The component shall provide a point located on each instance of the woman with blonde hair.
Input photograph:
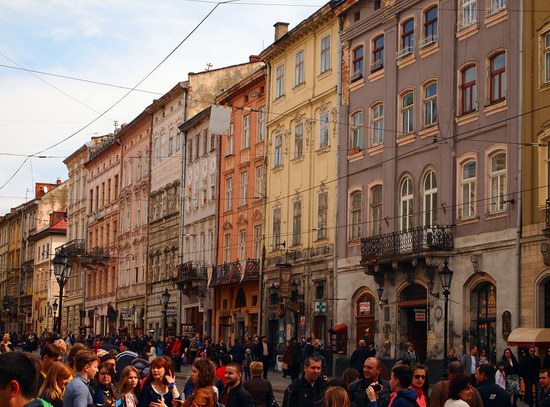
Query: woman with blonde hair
(260, 389)
(336, 397)
(129, 379)
(54, 385)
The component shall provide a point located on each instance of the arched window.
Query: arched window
(356, 139)
(376, 210)
(430, 104)
(407, 112)
(498, 77)
(468, 190)
(483, 317)
(468, 92)
(497, 181)
(278, 159)
(406, 204)
(377, 124)
(407, 36)
(377, 53)
(356, 215)
(357, 63)
(430, 199)
(240, 301)
(430, 25)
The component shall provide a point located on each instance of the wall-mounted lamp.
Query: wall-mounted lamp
(380, 292)
(431, 284)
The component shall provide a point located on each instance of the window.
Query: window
(546, 49)
(156, 151)
(377, 114)
(322, 212)
(212, 141)
(260, 182)
(197, 145)
(468, 187)
(496, 5)
(246, 131)
(171, 142)
(229, 193)
(278, 156)
(356, 140)
(407, 112)
(430, 25)
(325, 54)
(297, 223)
(244, 188)
(229, 148)
(323, 130)
(242, 244)
(205, 141)
(377, 53)
(407, 37)
(498, 77)
(212, 189)
(430, 199)
(468, 90)
(298, 140)
(178, 140)
(299, 68)
(406, 204)
(356, 215)
(261, 123)
(376, 210)
(497, 180)
(430, 104)
(280, 81)
(468, 13)
(258, 242)
(276, 228)
(357, 63)
(227, 248)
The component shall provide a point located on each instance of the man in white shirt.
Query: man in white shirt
(471, 362)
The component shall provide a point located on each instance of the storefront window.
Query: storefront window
(483, 301)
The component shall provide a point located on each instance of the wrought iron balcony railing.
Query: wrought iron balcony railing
(98, 256)
(76, 247)
(237, 271)
(189, 272)
(406, 243)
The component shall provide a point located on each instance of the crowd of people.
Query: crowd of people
(140, 372)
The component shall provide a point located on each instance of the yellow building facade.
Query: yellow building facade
(301, 177)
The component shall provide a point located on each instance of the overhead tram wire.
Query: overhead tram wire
(121, 98)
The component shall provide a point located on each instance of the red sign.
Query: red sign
(420, 316)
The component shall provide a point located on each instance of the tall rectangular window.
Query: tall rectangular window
(407, 112)
(261, 123)
(355, 216)
(276, 228)
(498, 77)
(229, 194)
(297, 222)
(298, 140)
(322, 215)
(497, 178)
(356, 140)
(244, 188)
(377, 53)
(278, 150)
(227, 248)
(258, 242)
(468, 13)
(357, 63)
(171, 142)
(430, 104)
(377, 114)
(280, 81)
(325, 54)
(242, 244)
(469, 89)
(468, 190)
(259, 182)
(323, 130)
(156, 151)
(299, 68)
(430, 25)
(376, 210)
(546, 67)
(178, 140)
(229, 146)
(246, 131)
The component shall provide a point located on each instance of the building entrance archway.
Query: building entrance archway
(412, 318)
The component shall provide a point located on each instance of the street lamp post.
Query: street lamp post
(54, 309)
(62, 272)
(164, 300)
(446, 275)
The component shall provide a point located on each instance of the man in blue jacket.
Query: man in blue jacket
(491, 394)
(400, 383)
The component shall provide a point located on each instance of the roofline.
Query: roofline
(188, 124)
(74, 154)
(243, 85)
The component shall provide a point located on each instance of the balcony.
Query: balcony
(236, 272)
(191, 278)
(546, 229)
(406, 245)
(97, 257)
(75, 248)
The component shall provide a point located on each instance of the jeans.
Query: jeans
(529, 390)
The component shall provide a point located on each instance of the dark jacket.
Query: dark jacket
(124, 359)
(259, 351)
(357, 393)
(149, 395)
(405, 398)
(530, 368)
(358, 358)
(544, 399)
(260, 389)
(237, 352)
(238, 397)
(493, 395)
(300, 393)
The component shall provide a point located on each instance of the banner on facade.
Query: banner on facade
(242, 269)
(285, 270)
(209, 270)
(126, 314)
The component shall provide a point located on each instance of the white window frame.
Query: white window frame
(406, 201)
(261, 123)
(299, 68)
(497, 183)
(546, 57)
(407, 113)
(429, 199)
(467, 13)
(244, 188)
(323, 129)
(325, 54)
(298, 140)
(430, 105)
(258, 241)
(377, 123)
(376, 210)
(355, 215)
(277, 219)
(227, 248)
(296, 222)
(259, 182)
(242, 244)
(229, 193)
(468, 186)
(279, 81)
(356, 132)
(229, 145)
(322, 215)
(278, 151)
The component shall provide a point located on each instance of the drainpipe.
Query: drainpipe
(147, 271)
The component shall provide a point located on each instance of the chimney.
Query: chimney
(254, 58)
(280, 30)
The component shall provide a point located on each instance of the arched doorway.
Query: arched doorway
(483, 317)
(412, 318)
(364, 318)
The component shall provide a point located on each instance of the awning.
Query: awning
(340, 328)
(529, 337)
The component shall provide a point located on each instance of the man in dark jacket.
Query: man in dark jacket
(529, 367)
(359, 356)
(264, 353)
(400, 383)
(308, 389)
(491, 394)
(237, 352)
(372, 368)
(544, 395)
(124, 358)
(234, 394)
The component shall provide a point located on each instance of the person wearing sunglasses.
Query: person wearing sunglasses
(420, 384)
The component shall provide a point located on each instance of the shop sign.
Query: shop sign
(320, 307)
(171, 311)
(126, 314)
(188, 329)
(284, 280)
(364, 307)
(420, 315)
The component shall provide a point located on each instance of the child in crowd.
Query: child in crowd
(500, 376)
(247, 362)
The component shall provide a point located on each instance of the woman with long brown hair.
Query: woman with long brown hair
(203, 375)
(129, 379)
(104, 391)
(159, 389)
(54, 385)
(336, 397)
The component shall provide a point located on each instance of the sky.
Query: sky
(114, 42)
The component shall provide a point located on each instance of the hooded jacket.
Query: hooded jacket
(405, 398)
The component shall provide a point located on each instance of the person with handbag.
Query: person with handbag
(259, 388)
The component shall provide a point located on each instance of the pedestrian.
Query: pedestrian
(176, 352)
(529, 369)
(410, 357)
(470, 362)
(260, 389)
(56, 381)
(440, 390)
(18, 380)
(336, 397)
(237, 351)
(372, 368)
(359, 355)
(512, 375)
(350, 375)
(491, 394)
(544, 395)
(194, 348)
(220, 371)
(234, 394)
(308, 348)
(77, 393)
(151, 352)
(308, 389)
(546, 360)
(160, 384)
(246, 364)
(124, 358)
(49, 355)
(6, 345)
(264, 353)
(220, 349)
(128, 386)
(294, 359)
(451, 356)
(103, 389)
(421, 384)
(319, 352)
(202, 377)
(500, 375)
(460, 391)
(483, 359)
